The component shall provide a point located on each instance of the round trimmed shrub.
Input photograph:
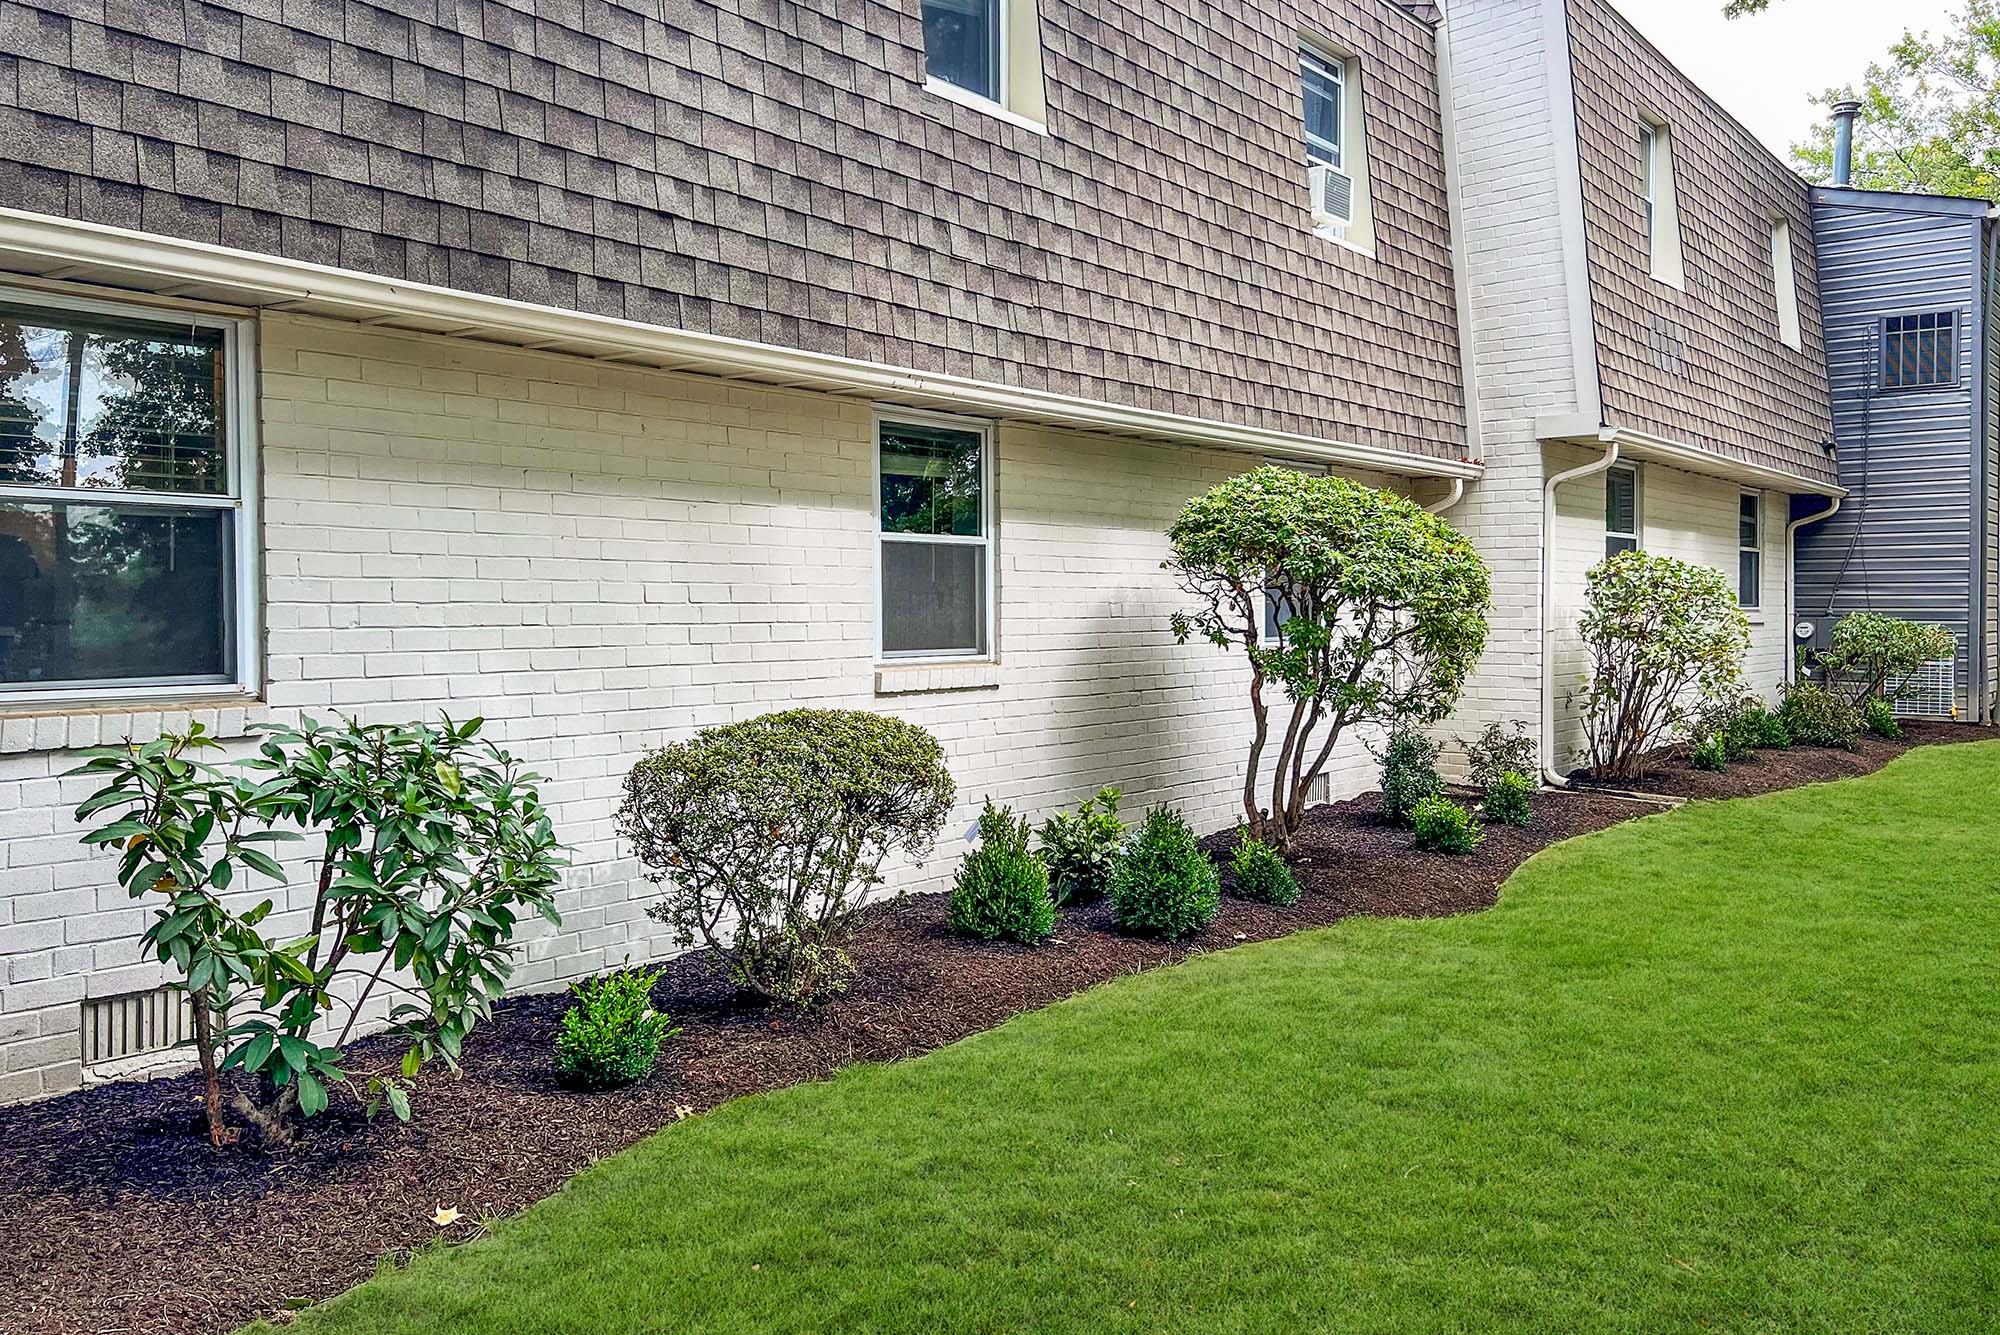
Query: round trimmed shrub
(1258, 873)
(1409, 774)
(1507, 799)
(1443, 826)
(1002, 890)
(767, 836)
(1710, 753)
(1813, 715)
(1164, 886)
(1879, 717)
(611, 1034)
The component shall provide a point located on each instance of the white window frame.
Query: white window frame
(1351, 153)
(1335, 67)
(1638, 533)
(887, 414)
(1756, 498)
(1001, 106)
(242, 497)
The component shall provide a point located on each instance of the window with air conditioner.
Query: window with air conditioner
(127, 550)
(1335, 150)
(986, 54)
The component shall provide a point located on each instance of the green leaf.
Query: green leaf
(312, 1094)
(399, 1101)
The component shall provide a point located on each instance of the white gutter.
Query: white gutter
(1792, 585)
(1548, 737)
(63, 249)
(1644, 446)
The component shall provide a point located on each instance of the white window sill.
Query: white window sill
(1332, 234)
(951, 92)
(916, 678)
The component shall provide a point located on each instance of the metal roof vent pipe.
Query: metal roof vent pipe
(1844, 113)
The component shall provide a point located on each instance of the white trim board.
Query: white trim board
(65, 250)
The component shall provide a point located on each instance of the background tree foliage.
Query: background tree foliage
(1930, 111)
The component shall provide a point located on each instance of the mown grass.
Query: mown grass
(1736, 1068)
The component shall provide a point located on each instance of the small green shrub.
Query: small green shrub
(1507, 799)
(1002, 890)
(1258, 872)
(1081, 847)
(1711, 753)
(1816, 716)
(1409, 774)
(1879, 717)
(1165, 885)
(1498, 751)
(611, 1034)
(1729, 727)
(1443, 826)
(1766, 731)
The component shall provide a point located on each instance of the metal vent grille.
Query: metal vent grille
(1934, 693)
(134, 1023)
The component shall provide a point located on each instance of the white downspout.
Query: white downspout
(1792, 584)
(1451, 498)
(1548, 737)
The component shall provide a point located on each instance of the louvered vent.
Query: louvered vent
(134, 1023)
(1934, 693)
(1332, 195)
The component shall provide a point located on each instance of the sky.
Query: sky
(1766, 68)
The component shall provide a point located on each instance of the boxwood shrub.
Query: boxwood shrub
(1164, 886)
(1002, 890)
(1258, 873)
(1443, 826)
(611, 1034)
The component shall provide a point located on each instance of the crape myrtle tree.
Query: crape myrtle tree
(1351, 604)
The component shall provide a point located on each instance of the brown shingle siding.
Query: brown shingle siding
(776, 171)
(1705, 365)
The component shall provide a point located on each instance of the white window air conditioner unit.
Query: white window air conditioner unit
(1332, 195)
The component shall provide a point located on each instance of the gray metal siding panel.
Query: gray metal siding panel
(1904, 541)
(1988, 236)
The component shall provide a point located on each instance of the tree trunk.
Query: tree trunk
(219, 1135)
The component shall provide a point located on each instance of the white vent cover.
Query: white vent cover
(134, 1023)
(1332, 194)
(1934, 692)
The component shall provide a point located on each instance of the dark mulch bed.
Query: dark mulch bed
(121, 1219)
(1768, 771)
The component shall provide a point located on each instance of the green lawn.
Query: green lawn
(1736, 1068)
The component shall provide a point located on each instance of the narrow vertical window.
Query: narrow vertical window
(936, 537)
(1750, 549)
(1336, 157)
(1785, 283)
(122, 513)
(1621, 510)
(1649, 177)
(963, 41)
(1659, 209)
(1920, 351)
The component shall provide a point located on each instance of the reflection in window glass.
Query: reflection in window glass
(103, 403)
(94, 593)
(1621, 511)
(930, 480)
(962, 44)
(1920, 350)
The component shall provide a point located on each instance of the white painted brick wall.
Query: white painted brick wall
(600, 560)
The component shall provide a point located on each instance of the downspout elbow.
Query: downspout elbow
(1451, 498)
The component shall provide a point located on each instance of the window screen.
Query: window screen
(1920, 350)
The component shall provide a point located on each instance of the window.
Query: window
(1336, 160)
(937, 549)
(987, 54)
(1621, 510)
(124, 515)
(962, 44)
(1325, 82)
(1660, 214)
(1920, 351)
(1750, 549)
(1785, 283)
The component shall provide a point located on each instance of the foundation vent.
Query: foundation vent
(133, 1024)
